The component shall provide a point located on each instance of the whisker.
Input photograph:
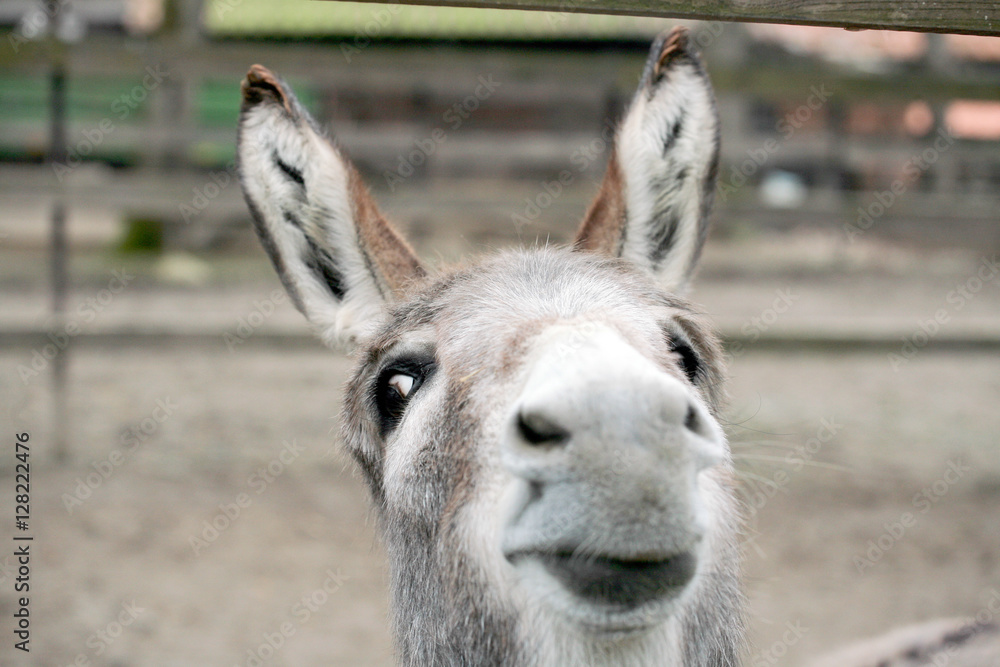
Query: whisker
(812, 464)
(749, 475)
(759, 457)
(764, 444)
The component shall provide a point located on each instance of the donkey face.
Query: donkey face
(538, 430)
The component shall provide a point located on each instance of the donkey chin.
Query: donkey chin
(613, 590)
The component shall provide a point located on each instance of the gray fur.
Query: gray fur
(654, 487)
(429, 560)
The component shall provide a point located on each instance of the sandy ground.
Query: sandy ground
(172, 437)
(307, 533)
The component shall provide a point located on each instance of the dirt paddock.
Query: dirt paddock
(128, 571)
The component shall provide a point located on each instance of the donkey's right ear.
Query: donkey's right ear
(654, 203)
(339, 259)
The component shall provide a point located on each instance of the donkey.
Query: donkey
(539, 431)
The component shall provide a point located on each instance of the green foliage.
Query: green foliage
(142, 235)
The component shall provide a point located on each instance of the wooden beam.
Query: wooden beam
(972, 17)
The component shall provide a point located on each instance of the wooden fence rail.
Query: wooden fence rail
(973, 17)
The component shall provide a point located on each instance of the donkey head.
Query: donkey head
(538, 430)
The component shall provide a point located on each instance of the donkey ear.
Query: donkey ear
(339, 259)
(653, 206)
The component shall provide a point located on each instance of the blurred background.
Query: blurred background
(190, 505)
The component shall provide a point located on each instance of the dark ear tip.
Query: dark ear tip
(261, 85)
(673, 45)
(259, 74)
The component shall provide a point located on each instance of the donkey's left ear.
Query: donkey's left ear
(339, 259)
(654, 203)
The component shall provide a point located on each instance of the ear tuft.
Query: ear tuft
(655, 199)
(672, 46)
(338, 257)
(261, 85)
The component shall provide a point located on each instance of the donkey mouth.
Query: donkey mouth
(619, 583)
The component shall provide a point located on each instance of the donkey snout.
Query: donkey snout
(592, 404)
(605, 449)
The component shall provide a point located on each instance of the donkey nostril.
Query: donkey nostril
(538, 430)
(691, 421)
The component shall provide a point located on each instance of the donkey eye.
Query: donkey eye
(395, 387)
(688, 358)
(402, 383)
